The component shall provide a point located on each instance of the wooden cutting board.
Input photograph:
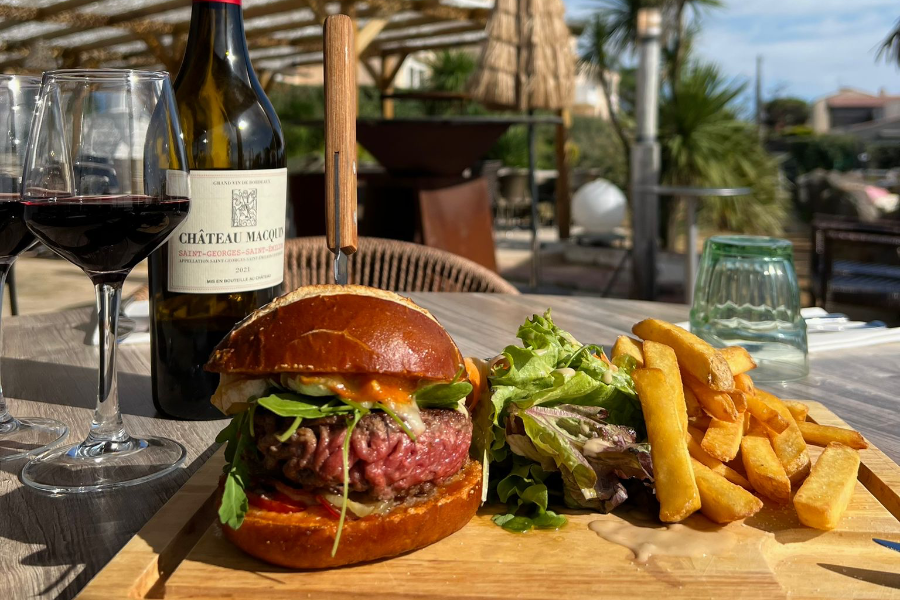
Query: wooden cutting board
(181, 554)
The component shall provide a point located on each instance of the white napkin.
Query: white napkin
(139, 312)
(854, 334)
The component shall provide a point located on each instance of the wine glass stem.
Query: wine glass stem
(107, 425)
(6, 420)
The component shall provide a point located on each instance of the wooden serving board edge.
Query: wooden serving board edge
(877, 472)
(142, 567)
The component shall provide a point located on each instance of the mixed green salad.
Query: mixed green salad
(564, 426)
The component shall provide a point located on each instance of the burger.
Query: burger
(350, 434)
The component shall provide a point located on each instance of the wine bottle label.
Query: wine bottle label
(233, 238)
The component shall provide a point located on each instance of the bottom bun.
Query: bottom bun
(304, 540)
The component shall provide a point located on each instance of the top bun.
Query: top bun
(339, 329)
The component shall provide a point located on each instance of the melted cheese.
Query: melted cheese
(234, 391)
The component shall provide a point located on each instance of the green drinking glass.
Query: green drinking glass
(747, 295)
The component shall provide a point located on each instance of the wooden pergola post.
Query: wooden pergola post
(563, 190)
(390, 67)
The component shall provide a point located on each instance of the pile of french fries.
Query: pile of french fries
(717, 442)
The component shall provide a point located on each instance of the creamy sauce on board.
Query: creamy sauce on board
(645, 538)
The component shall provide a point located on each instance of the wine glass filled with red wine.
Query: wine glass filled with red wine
(105, 183)
(23, 436)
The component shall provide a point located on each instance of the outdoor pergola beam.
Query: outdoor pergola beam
(133, 21)
(135, 25)
(401, 46)
(390, 67)
(368, 33)
(40, 14)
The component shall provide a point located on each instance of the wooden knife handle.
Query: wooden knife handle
(340, 133)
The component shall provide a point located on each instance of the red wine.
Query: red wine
(14, 235)
(104, 235)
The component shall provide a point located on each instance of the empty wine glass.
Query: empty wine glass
(18, 95)
(105, 183)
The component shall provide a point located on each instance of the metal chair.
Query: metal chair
(390, 265)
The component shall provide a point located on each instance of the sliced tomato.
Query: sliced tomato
(279, 503)
(329, 508)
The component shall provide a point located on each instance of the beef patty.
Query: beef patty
(384, 462)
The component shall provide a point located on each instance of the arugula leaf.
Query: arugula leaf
(292, 405)
(345, 463)
(234, 500)
(234, 503)
(283, 437)
(444, 395)
(398, 420)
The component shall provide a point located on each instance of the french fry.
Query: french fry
(722, 439)
(628, 346)
(714, 464)
(702, 422)
(822, 435)
(738, 359)
(766, 415)
(789, 445)
(691, 404)
(743, 383)
(659, 356)
(740, 400)
(719, 405)
(695, 356)
(825, 494)
(764, 470)
(797, 408)
(721, 501)
(676, 489)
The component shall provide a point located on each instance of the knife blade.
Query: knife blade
(892, 545)
(340, 259)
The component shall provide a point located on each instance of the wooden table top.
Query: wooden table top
(51, 547)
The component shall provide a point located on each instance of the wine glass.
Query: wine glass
(18, 95)
(105, 183)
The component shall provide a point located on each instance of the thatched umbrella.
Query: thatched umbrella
(527, 63)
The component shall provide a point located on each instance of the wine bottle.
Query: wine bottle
(228, 257)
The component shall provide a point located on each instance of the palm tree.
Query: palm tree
(890, 47)
(704, 144)
(677, 45)
(600, 57)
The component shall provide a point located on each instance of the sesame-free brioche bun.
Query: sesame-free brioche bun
(304, 540)
(339, 329)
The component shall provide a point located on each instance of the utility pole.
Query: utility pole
(645, 161)
(759, 102)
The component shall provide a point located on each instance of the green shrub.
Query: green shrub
(829, 152)
(884, 156)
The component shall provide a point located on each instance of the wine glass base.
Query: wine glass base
(21, 438)
(96, 466)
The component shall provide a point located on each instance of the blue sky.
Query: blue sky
(809, 47)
